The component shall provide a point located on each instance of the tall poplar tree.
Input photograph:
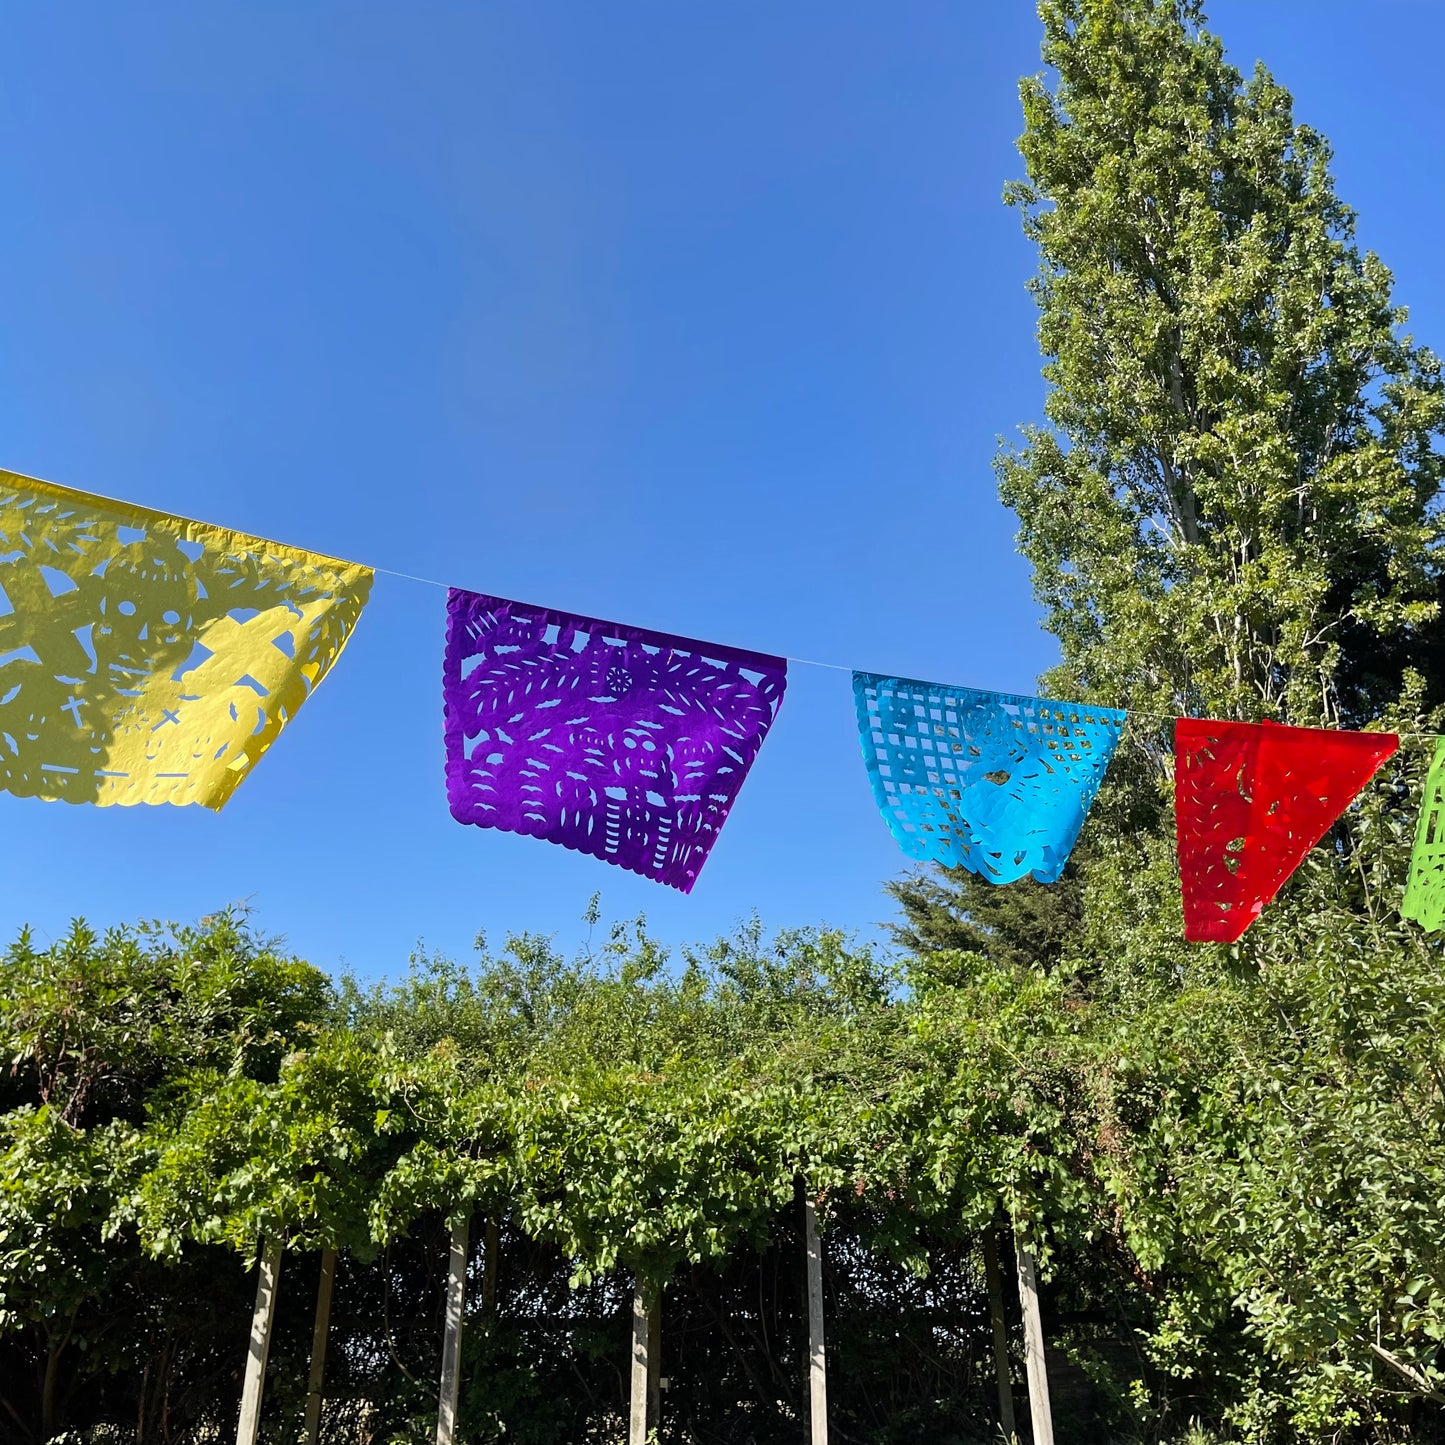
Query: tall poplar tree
(1232, 507)
(1232, 504)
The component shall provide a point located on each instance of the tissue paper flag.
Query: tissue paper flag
(1425, 891)
(145, 658)
(1250, 800)
(626, 744)
(986, 781)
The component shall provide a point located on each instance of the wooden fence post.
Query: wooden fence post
(817, 1359)
(452, 1341)
(1000, 1334)
(641, 1322)
(1039, 1411)
(318, 1345)
(268, 1278)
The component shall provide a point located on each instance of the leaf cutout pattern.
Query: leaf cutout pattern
(1250, 801)
(987, 781)
(145, 658)
(615, 741)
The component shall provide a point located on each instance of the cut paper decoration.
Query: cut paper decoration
(1425, 892)
(145, 658)
(986, 781)
(626, 744)
(1250, 800)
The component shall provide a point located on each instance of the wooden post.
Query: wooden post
(452, 1340)
(817, 1360)
(1000, 1334)
(268, 1277)
(1039, 1412)
(641, 1319)
(318, 1346)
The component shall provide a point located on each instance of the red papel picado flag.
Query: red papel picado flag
(1250, 800)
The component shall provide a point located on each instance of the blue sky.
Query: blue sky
(700, 317)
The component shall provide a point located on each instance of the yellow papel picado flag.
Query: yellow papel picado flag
(145, 658)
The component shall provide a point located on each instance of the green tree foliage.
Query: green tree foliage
(601, 1118)
(1234, 1184)
(1232, 508)
(100, 1035)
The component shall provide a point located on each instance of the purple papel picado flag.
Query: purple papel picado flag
(626, 744)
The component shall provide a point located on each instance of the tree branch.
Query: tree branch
(1408, 1371)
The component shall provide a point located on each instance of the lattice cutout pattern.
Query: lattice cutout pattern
(1425, 891)
(1250, 801)
(149, 659)
(986, 781)
(625, 744)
